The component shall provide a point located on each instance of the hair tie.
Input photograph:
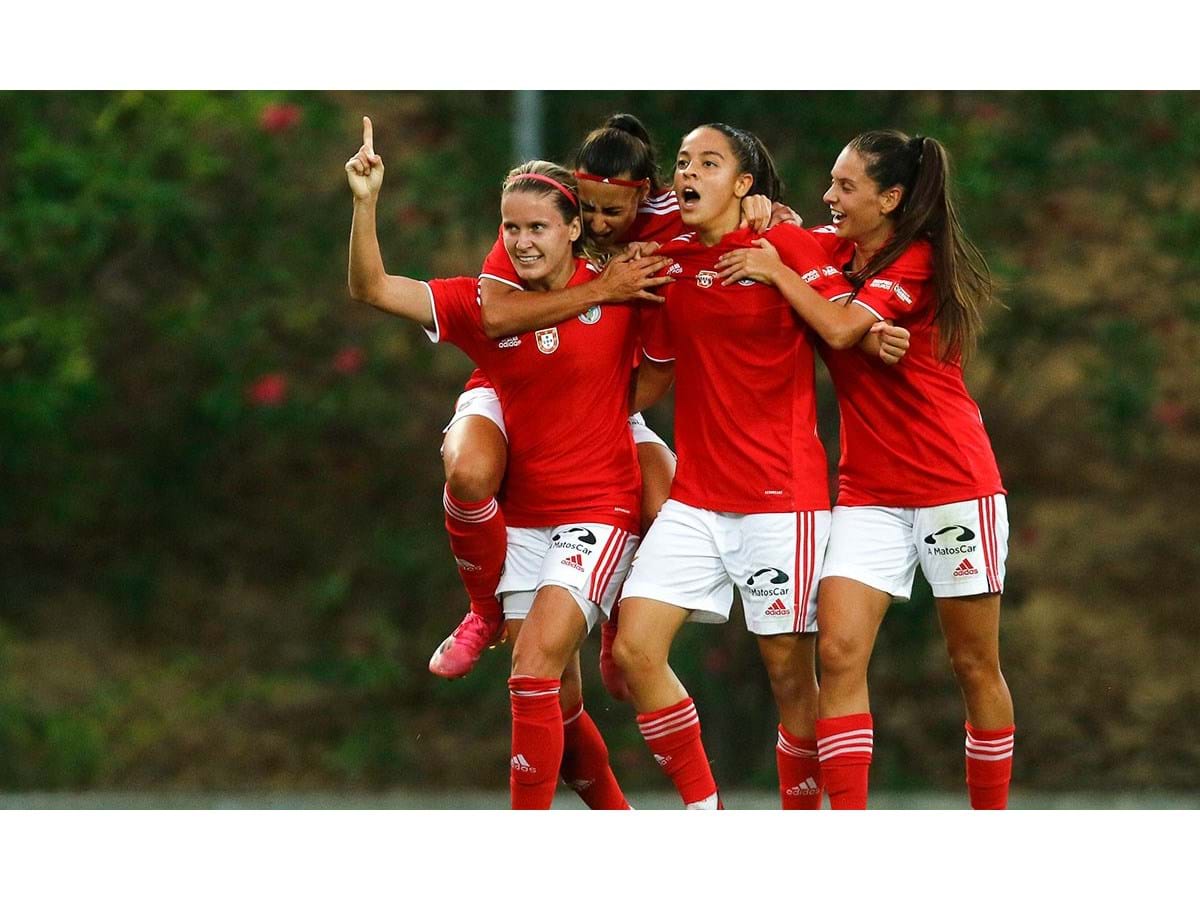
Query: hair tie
(620, 182)
(534, 176)
(919, 140)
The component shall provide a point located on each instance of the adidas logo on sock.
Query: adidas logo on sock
(574, 562)
(467, 566)
(662, 760)
(965, 568)
(806, 788)
(777, 608)
(521, 764)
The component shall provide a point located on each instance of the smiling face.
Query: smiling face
(709, 184)
(609, 210)
(537, 239)
(858, 206)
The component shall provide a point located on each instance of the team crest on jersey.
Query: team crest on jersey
(828, 270)
(705, 278)
(590, 316)
(547, 339)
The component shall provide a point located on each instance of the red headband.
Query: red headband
(619, 182)
(534, 176)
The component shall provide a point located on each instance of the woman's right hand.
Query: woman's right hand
(364, 170)
(630, 277)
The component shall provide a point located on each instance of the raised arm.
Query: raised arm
(369, 282)
(507, 310)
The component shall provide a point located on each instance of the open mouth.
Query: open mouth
(837, 217)
(689, 197)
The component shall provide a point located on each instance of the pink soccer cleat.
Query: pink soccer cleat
(610, 672)
(457, 654)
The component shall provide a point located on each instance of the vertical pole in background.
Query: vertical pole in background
(527, 125)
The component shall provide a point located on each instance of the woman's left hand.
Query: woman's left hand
(760, 264)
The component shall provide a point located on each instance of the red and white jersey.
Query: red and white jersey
(745, 407)
(911, 435)
(565, 395)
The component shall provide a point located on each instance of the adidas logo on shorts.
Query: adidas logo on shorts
(521, 764)
(806, 788)
(777, 608)
(574, 562)
(965, 568)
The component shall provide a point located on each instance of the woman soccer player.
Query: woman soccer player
(918, 481)
(749, 506)
(572, 526)
(621, 202)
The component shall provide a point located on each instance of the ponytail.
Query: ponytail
(962, 280)
(752, 157)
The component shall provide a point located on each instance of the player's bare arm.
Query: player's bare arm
(839, 326)
(369, 282)
(651, 381)
(627, 277)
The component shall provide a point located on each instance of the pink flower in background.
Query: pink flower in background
(349, 360)
(269, 390)
(277, 118)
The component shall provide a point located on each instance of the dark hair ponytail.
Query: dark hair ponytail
(752, 156)
(621, 145)
(921, 166)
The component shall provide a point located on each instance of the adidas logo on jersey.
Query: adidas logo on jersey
(662, 760)
(467, 566)
(675, 269)
(882, 283)
(810, 276)
(521, 764)
(777, 608)
(574, 562)
(508, 342)
(806, 788)
(965, 568)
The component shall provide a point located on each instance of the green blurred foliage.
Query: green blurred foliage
(220, 528)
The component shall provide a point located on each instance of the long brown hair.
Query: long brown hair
(962, 279)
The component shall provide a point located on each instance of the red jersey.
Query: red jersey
(657, 220)
(745, 407)
(565, 395)
(911, 435)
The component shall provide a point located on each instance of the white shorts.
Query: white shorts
(587, 559)
(961, 547)
(694, 558)
(482, 401)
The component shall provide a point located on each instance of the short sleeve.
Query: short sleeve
(899, 290)
(802, 253)
(656, 335)
(456, 315)
(499, 267)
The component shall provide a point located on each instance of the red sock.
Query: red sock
(537, 741)
(673, 734)
(799, 771)
(585, 763)
(479, 543)
(844, 744)
(989, 766)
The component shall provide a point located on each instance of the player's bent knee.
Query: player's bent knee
(538, 657)
(634, 659)
(472, 477)
(974, 670)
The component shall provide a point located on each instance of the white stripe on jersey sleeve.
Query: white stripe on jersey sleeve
(825, 229)
(434, 335)
(858, 302)
(502, 281)
(655, 358)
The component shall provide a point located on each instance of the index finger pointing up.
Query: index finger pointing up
(368, 136)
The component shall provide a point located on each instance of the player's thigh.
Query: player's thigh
(553, 631)
(474, 455)
(646, 630)
(848, 616)
(971, 627)
(790, 659)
